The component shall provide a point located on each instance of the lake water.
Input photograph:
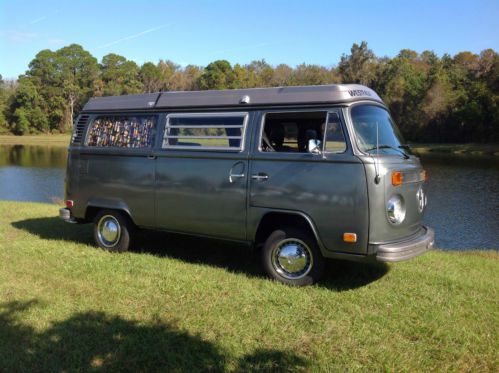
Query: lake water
(463, 191)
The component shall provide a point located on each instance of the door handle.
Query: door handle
(151, 157)
(260, 176)
(235, 176)
(237, 171)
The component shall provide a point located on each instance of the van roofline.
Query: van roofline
(251, 97)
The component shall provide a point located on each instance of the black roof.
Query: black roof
(319, 94)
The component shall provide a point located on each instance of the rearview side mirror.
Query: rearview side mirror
(314, 146)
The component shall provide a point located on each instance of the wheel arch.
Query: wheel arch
(273, 219)
(96, 205)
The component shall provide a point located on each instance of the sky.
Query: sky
(199, 32)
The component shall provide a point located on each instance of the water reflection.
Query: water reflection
(463, 200)
(33, 156)
(32, 173)
(463, 191)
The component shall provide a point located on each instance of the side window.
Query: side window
(122, 131)
(222, 131)
(290, 132)
(335, 139)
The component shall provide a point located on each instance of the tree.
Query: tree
(312, 75)
(150, 76)
(282, 76)
(260, 73)
(64, 78)
(451, 98)
(359, 66)
(169, 75)
(3, 100)
(217, 75)
(21, 123)
(28, 115)
(192, 74)
(244, 77)
(119, 75)
(78, 70)
(403, 82)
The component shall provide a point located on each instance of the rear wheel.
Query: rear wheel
(291, 256)
(113, 231)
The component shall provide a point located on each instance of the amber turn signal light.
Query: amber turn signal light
(350, 237)
(425, 176)
(397, 178)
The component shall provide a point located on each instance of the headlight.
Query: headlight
(395, 209)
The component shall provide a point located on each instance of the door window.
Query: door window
(290, 132)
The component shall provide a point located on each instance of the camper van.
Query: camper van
(301, 174)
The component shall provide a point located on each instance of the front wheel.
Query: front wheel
(292, 256)
(113, 231)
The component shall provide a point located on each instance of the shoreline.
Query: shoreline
(456, 149)
(418, 148)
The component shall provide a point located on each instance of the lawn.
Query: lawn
(186, 304)
(53, 140)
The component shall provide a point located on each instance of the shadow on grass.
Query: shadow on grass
(234, 257)
(94, 341)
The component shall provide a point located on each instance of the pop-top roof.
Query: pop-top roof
(319, 94)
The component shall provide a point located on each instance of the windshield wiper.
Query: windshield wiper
(391, 147)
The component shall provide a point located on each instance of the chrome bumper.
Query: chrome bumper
(404, 250)
(65, 214)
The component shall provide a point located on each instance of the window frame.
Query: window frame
(343, 131)
(95, 117)
(311, 110)
(355, 139)
(239, 149)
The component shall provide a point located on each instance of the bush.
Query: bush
(21, 123)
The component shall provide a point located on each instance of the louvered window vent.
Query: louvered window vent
(79, 129)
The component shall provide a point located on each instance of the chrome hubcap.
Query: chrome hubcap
(109, 231)
(292, 258)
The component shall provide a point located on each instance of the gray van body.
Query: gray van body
(223, 194)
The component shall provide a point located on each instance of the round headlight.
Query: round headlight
(395, 209)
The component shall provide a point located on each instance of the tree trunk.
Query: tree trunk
(71, 110)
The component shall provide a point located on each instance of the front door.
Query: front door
(328, 184)
(202, 174)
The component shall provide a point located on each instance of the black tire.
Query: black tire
(297, 241)
(123, 240)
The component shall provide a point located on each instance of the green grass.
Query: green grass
(185, 304)
(458, 149)
(53, 140)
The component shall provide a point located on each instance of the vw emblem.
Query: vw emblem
(421, 197)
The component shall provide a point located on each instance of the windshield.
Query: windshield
(366, 118)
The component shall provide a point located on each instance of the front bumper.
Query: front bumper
(65, 214)
(404, 250)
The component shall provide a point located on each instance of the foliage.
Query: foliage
(359, 66)
(188, 304)
(438, 99)
(55, 87)
(119, 76)
(217, 75)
